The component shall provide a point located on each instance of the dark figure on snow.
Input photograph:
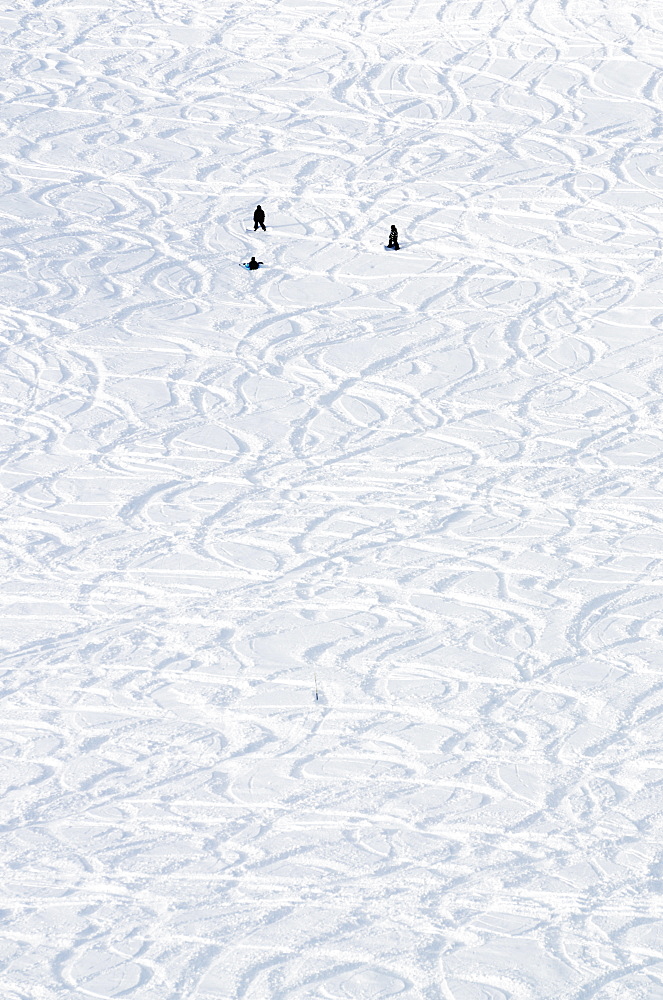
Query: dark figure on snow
(253, 264)
(393, 238)
(259, 219)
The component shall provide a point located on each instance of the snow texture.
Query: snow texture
(429, 482)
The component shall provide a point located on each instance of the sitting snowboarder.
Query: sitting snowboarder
(393, 239)
(253, 264)
(259, 219)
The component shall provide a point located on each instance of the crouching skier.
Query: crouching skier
(393, 239)
(253, 264)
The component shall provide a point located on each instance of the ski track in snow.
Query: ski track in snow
(430, 480)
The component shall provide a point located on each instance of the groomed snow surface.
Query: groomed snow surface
(428, 480)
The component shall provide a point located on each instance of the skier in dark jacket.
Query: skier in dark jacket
(393, 239)
(253, 264)
(259, 219)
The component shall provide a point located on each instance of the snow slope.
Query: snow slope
(429, 481)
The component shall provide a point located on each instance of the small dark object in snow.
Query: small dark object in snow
(393, 239)
(259, 219)
(253, 264)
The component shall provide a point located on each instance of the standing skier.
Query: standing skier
(393, 239)
(253, 264)
(259, 219)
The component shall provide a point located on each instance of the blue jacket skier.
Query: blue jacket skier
(253, 264)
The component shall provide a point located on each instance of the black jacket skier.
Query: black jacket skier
(259, 219)
(393, 238)
(253, 264)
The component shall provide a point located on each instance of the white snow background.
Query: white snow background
(430, 480)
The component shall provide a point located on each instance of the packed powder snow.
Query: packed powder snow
(332, 635)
